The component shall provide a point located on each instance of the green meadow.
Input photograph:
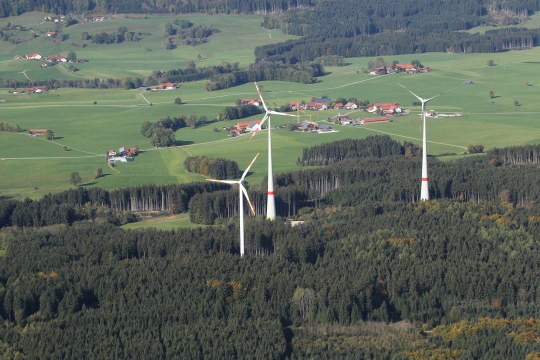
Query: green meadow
(88, 122)
(168, 222)
(235, 40)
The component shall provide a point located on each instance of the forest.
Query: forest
(17, 7)
(389, 28)
(372, 272)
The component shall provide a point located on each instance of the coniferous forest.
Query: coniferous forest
(371, 273)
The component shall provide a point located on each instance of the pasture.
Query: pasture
(166, 222)
(88, 122)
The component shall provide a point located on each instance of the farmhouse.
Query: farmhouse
(374, 120)
(254, 102)
(306, 126)
(387, 108)
(297, 105)
(381, 70)
(249, 126)
(55, 18)
(36, 132)
(96, 18)
(341, 119)
(405, 67)
(36, 89)
(338, 106)
(130, 151)
(310, 127)
(51, 33)
(316, 106)
(324, 128)
(350, 106)
(165, 86)
(57, 58)
(33, 56)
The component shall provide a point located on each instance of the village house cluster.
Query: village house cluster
(159, 87)
(408, 68)
(319, 104)
(346, 119)
(39, 89)
(51, 59)
(124, 154)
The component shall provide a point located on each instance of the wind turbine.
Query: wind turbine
(271, 202)
(241, 192)
(424, 189)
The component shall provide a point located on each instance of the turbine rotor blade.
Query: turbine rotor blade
(416, 96)
(433, 97)
(280, 113)
(244, 191)
(260, 96)
(259, 126)
(247, 169)
(230, 182)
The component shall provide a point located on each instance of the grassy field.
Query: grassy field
(88, 122)
(533, 22)
(235, 40)
(168, 222)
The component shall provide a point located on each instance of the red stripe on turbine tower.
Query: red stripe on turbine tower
(270, 193)
(425, 179)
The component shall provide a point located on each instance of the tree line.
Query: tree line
(379, 169)
(162, 132)
(17, 7)
(98, 205)
(410, 42)
(239, 111)
(228, 75)
(334, 152)
(216, 168)
(122, 34)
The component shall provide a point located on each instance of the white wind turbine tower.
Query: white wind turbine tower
(271, 202)
(241, 192)
(424, 189)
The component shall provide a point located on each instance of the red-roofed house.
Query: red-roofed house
(296, 105)
(51, 33)
(33, 56)
(316, 106)
(254, 102)
(247, 125)
(387, 108)
(381, 70)
(406, 67)
(127, 151)
(350, 106)
(338, 106)
(36, 89)
(36, 132)
(57, 58)
(166, 86)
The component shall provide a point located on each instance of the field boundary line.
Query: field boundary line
(404, 136)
